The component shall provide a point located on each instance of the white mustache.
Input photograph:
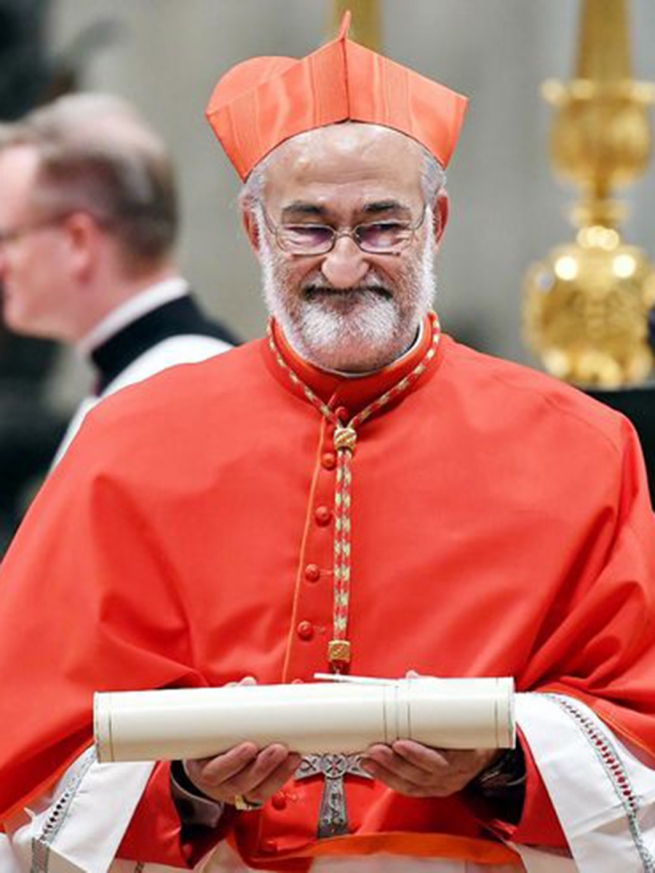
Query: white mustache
(370, 282)
(313, 290)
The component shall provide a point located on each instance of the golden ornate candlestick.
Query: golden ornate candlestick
(366, 27)
(586, 304)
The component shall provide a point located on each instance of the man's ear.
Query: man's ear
(83, 236)
(440, 216)
(251, 226)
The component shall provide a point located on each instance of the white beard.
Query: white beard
(367, 330)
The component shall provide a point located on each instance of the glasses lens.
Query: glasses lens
(384, 236)
(306, 238)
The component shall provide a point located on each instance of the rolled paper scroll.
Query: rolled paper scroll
(307, 718)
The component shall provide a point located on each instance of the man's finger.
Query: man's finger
(213, 771)
(275, 780)
(397, 783)
(423, 757)
(412, 766)
(256, 773)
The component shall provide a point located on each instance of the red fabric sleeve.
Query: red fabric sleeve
(93, 631)
(155, 830)
(539, 825)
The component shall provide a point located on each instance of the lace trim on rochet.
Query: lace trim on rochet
(614, 769)
(42, 842)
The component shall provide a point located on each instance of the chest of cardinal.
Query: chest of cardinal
(469, 522)
(472, 534)
(472, 505)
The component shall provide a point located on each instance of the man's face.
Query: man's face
(33, 270)
(348, 309)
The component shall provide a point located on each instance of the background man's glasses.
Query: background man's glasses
(376, 238)
(15, 233)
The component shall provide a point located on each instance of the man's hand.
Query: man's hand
(420, 771)
(245, 771)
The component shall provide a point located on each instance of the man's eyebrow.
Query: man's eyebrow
(301, 207)
(384, 206)
(313, 210)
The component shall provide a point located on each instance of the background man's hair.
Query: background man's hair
(98, 156)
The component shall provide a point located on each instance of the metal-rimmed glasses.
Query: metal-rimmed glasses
(375, 238)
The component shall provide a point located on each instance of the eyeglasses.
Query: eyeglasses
(16, 233)
(376, 238)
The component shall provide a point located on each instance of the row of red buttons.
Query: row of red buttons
(323, 517)
(305, 629)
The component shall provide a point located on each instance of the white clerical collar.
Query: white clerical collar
(141, 304)
(347, 375)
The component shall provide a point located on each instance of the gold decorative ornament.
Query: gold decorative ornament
(339, 652)
(344, 438)
(586, 304)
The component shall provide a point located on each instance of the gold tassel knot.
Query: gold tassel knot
(345, 439)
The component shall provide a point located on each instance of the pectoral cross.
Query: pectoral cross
(333, 815)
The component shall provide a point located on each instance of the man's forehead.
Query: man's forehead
(19, 157)
(342, 154)
(19, 166)
(350, 135)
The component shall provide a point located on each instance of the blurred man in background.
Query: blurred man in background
(30, 429)
(88, 221)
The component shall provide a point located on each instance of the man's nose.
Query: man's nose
(346, 265)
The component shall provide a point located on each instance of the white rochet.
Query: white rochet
(321, 717)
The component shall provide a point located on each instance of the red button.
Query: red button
(312, 572)
(323, 515)
(279, 800)
(269, 846)
(329, 460)
(305, 630)
(342, 414)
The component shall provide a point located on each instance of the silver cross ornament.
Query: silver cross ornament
(333, 814)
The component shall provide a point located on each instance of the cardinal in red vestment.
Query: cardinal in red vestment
(355, 492)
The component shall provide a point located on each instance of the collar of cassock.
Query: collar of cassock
(351, 392)
(347, 404)
(177, 317)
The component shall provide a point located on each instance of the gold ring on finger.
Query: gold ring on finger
(244, 805)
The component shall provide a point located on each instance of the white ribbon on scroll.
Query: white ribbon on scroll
(312, 717)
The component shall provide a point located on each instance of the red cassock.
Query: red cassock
(500, 526)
